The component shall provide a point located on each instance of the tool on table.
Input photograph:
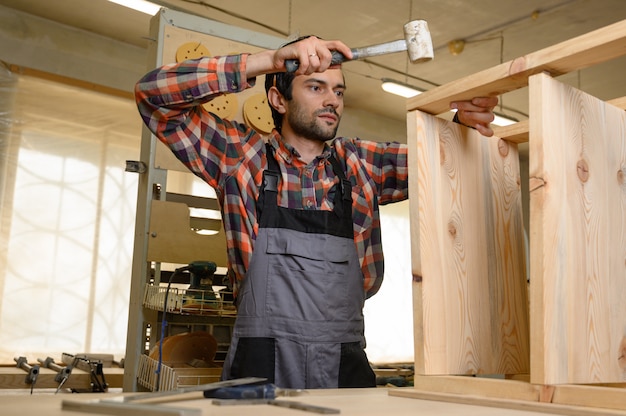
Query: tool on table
(32, 370)
(262, 394)
(259, 391)
(228, 388)
(187, 389)
(121, 406)
(417, 42)
(280, 403)
(94, 368)
(63, 372)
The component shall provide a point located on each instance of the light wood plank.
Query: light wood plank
(519, 405)
(618, 102)
(124, 409)
(578, 235)
(515, 133)
(590, 396)
(580, 52)
(479, 386)
(577, 399)
(469, 263)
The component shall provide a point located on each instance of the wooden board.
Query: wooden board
(471, 303)
(12, 377)
(578, 236)
(580, 52)
(519, 405)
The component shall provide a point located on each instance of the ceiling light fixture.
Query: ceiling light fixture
(400, 88)
(139, 5)
(502, 120)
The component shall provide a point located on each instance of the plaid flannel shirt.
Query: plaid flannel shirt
(231, 157)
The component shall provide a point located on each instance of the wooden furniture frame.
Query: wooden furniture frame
(558, 347)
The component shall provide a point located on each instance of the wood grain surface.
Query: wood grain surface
(583, 51)
(577, 180)
(469, 268)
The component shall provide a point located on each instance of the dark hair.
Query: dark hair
(283, 83)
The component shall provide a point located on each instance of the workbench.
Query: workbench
(12, 377)
(362, 402)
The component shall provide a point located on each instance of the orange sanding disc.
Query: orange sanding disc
(257, 113)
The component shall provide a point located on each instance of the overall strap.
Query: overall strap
(268, 194)
(343, 195)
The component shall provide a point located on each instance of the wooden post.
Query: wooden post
(578, 236)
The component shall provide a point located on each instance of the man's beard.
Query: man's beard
(311, 129)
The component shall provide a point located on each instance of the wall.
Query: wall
(43, 45)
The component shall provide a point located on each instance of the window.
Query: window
(67, 211)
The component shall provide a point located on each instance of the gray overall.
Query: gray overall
(300, 309)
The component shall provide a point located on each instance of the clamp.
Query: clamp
(32, 370)
(63, 372)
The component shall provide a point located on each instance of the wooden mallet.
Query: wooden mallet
(417, 42)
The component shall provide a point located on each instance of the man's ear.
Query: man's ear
(276, 100)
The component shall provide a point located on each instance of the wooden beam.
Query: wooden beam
(580, 52)
(515, 133)
(12, 377)
(123, 409)
(618, 102)
(479, 386)
(591, 396)
(523, 405)
(21, 70)
(560, 399)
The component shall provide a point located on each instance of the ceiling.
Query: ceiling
(494, 31)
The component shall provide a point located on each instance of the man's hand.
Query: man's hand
(313, 53)
(476, 113)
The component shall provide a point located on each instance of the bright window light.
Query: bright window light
(139, 5)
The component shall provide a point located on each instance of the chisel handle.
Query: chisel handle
(262, 391)
(292, 65)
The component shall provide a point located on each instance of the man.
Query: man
(301, 215)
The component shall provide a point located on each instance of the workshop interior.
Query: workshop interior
(113, 268)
